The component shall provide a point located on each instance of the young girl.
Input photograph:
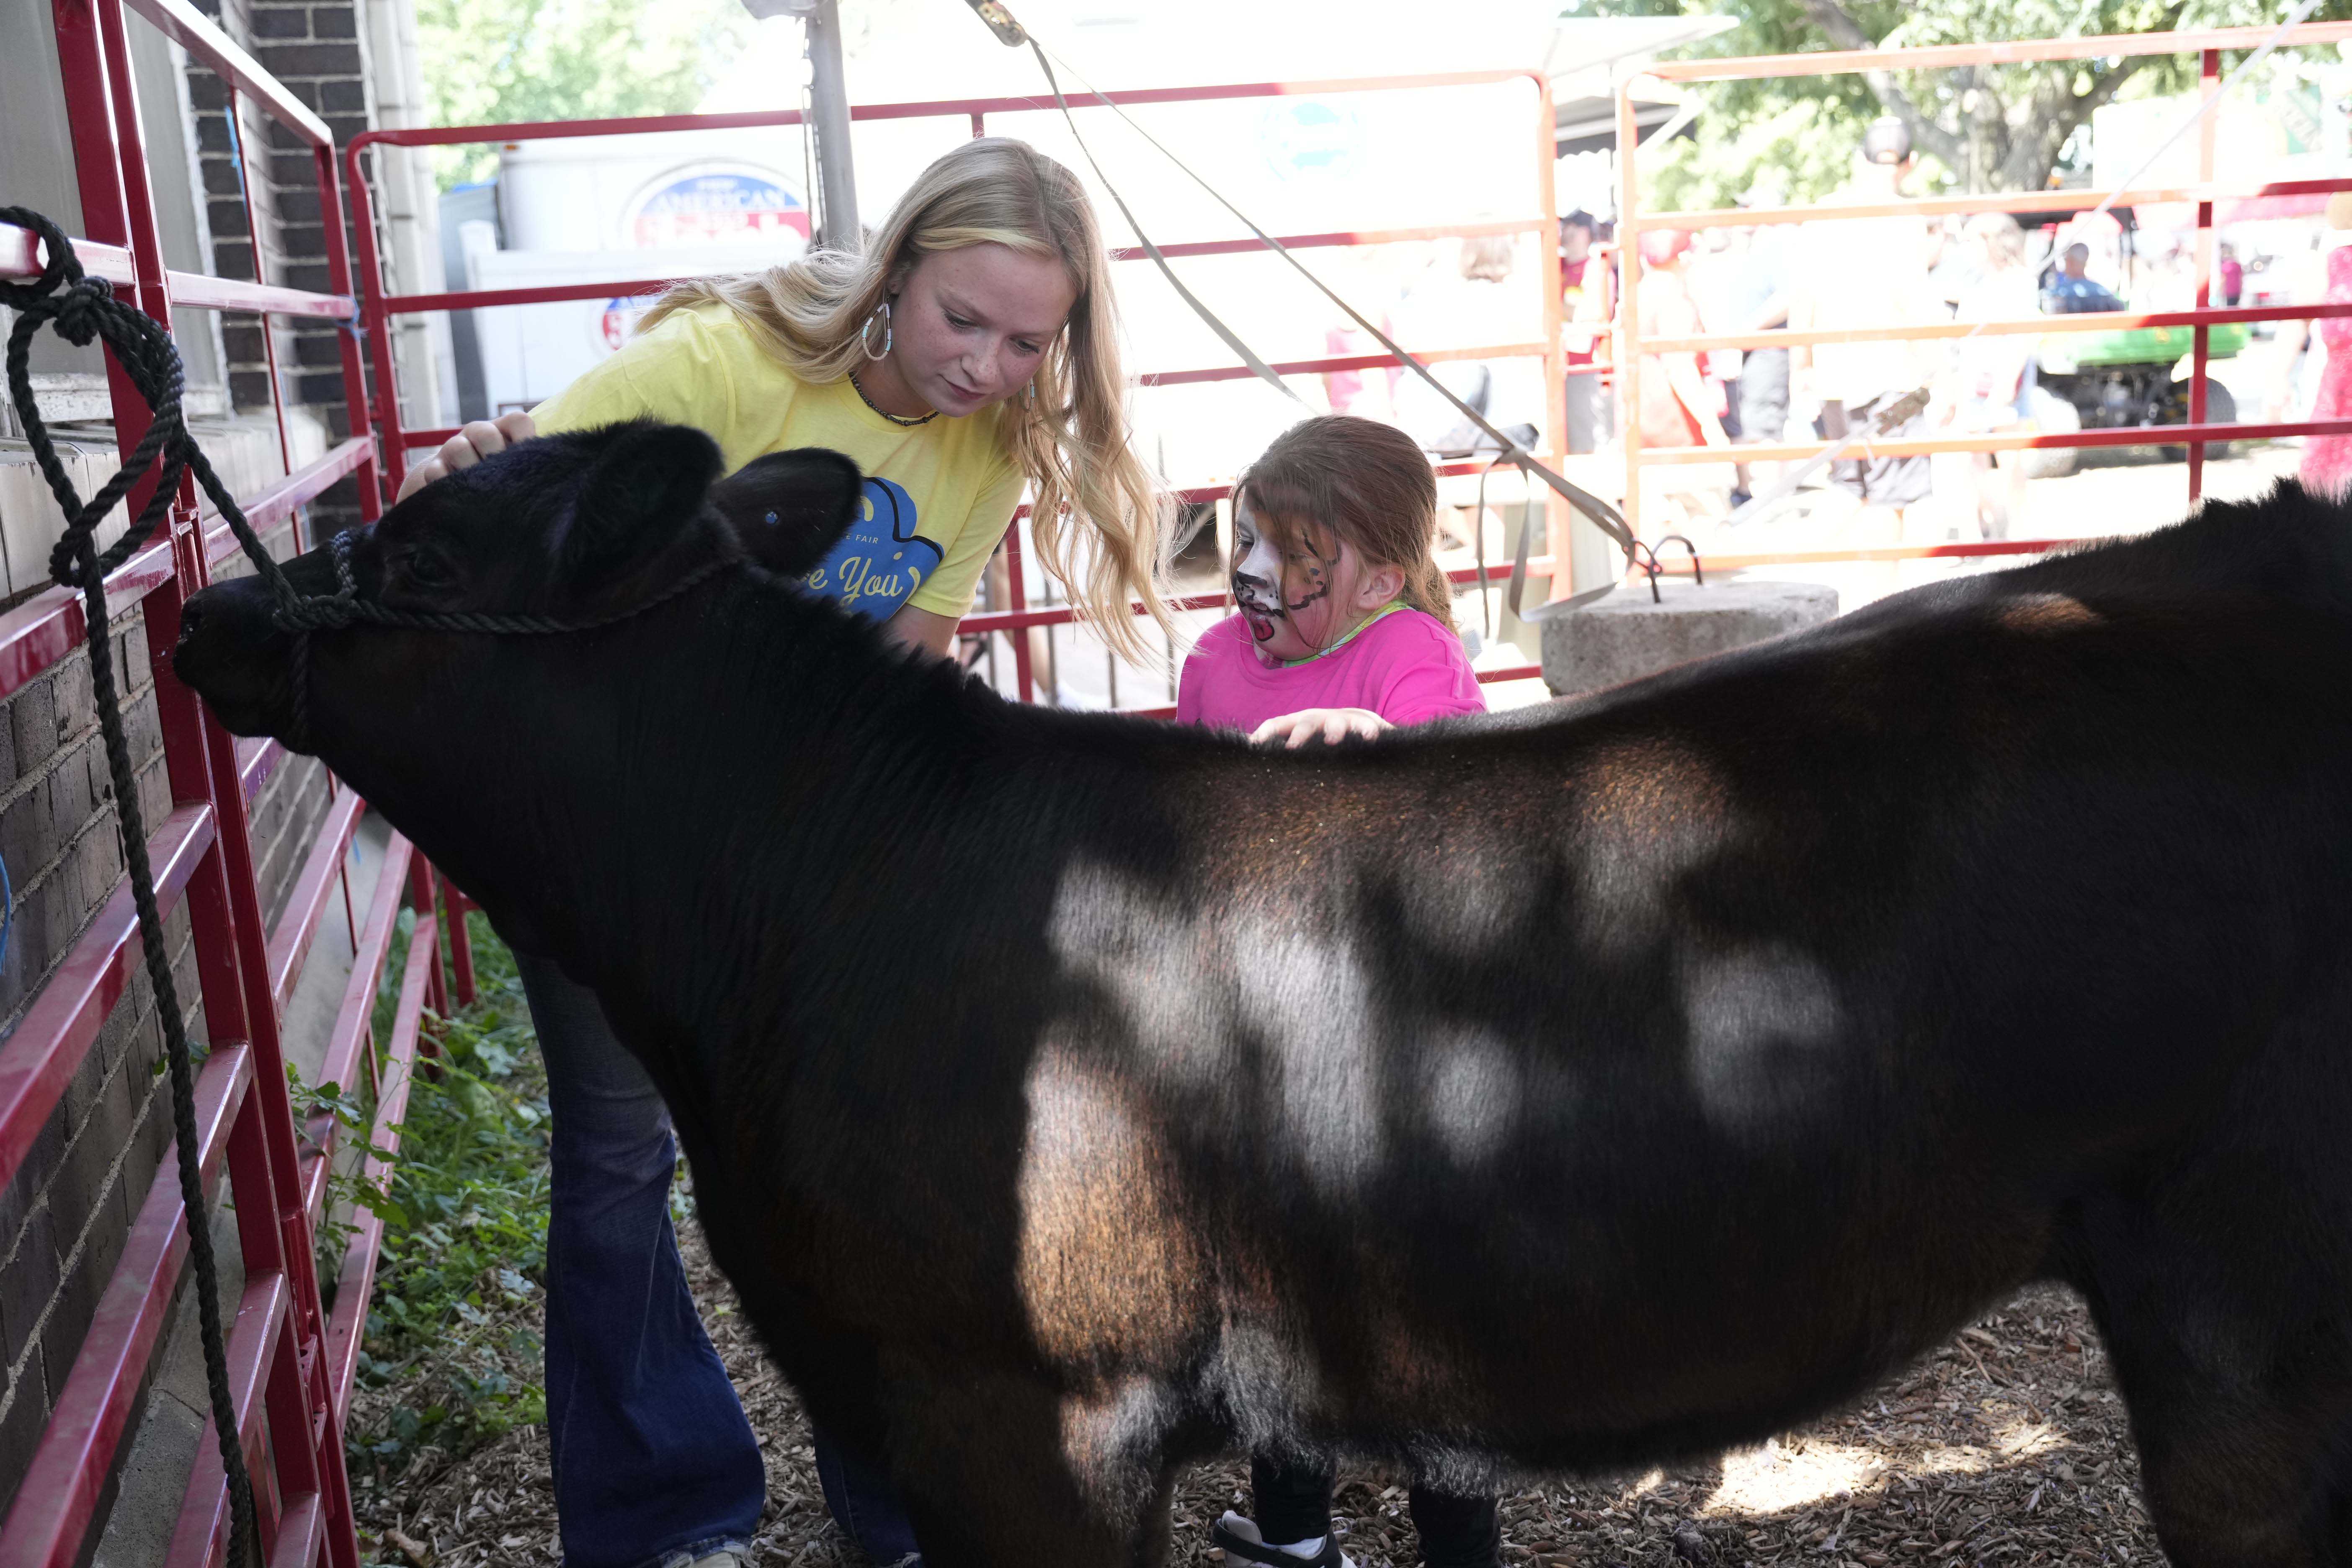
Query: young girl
(1344, 627)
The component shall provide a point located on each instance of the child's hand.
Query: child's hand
(1331, 725)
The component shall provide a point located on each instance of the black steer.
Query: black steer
(1070, 1096)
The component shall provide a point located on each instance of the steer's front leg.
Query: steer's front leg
(1003, 1471)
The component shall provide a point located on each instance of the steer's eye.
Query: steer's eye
(427, 572)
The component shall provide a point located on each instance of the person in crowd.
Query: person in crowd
(968, 349)
(2326, 468)
(1761, 302)
(1345, 628)
(2072, 291)
(1471, 303)
(1870, 272)
(1677, 404)
(1588, 303)
(1991, 372)
(1712, 273)
(2234, 276)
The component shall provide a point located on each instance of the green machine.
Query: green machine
(2140, 377)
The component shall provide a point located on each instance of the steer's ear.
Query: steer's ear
(645, 485)
(790, 509)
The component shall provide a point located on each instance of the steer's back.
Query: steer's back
(1701, 1049)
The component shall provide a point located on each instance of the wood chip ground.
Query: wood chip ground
(2007, 1446)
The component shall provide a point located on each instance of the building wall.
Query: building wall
(64, 1217)
(67, 1213)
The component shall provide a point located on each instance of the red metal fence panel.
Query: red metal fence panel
(289, 1355)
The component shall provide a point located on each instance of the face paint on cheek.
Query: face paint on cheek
(1314, 584)
(1256, 582)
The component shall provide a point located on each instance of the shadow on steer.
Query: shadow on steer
(1070, 1096)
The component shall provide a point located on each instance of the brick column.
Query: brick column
(315, 47)
(237, 250)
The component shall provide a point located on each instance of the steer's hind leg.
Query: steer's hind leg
(2232, 1336)
(1000, 1472)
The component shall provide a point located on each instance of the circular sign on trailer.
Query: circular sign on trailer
(619, 317)
(713, 206)
(1308, 138)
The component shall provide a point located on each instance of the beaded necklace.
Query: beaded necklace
(1390, 608)
(893, 418)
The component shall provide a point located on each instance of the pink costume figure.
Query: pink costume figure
(2327, 459)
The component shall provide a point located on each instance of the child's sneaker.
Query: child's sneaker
(1244, 1544)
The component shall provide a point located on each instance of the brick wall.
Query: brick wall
(64, 1217)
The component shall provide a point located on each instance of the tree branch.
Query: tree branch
(2058, 109)
(1838, 25)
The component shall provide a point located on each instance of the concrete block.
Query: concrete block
(1625, 636)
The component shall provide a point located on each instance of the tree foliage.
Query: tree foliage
(1981, 128)
(494, 61)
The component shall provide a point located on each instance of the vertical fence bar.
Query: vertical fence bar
(1017, 591)
(373, 485)
(461, 944)
(1560, 519)
(98, 177)
(1629, 318)
(2206, 127)
(427, 929)
(268, 338)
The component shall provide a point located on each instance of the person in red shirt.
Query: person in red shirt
(1587, 299)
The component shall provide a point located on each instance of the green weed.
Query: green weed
(451, 1357)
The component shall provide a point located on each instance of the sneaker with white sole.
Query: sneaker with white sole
(1244, 1544)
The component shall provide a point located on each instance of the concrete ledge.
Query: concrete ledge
(1625, 636)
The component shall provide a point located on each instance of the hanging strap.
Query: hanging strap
(1232, 340)
(1603, 516)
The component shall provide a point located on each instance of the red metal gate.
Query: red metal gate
(377, 310)
(291, 1354)
(2207, 45)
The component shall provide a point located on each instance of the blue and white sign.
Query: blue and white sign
(710, 207)
(1313, 139)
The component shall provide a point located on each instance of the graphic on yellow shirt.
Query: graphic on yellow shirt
(881, 561)
(939, 495)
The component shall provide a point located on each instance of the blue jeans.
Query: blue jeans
(654, 1462)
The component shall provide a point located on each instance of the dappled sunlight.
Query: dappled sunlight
(1771, 1477)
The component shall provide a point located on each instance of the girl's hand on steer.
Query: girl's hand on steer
(482, 439)
(1330, 725)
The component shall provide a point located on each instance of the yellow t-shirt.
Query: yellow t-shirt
(937, 495)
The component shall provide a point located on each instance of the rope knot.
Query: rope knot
(78, 314)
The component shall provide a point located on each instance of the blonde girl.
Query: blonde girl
(967, 352)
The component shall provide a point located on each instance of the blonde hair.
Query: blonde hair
(1337, 477)
(1486, 258)
(1068, 434)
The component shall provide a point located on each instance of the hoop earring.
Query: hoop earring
(866, 332)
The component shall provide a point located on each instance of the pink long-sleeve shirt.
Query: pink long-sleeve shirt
(1405, 667)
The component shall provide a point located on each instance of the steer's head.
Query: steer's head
(575, 529)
